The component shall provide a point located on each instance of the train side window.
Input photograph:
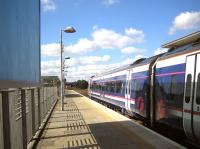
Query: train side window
(173, 87)
(198, 90)
(107, 86)
(103, 86)
(93, 86)
(112, 87)
(118, 86)
(99, 87)
(188, 88)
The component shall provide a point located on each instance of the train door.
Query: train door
(103, 89)
(127, 93)
(196, 102)
(191, 105)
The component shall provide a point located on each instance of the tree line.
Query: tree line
(55, 81)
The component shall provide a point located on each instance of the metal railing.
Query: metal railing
(22, 112)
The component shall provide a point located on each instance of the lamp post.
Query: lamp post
(66, 30)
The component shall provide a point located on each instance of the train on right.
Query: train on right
(163, 89)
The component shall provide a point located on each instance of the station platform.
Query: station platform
(87, 124)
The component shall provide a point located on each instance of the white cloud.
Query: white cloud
(185, 21)
(109, 39)
(136, 34)
(50, 68)
(83, 46)
(80, 70)
(129, 50)
(86, 71)
(87, 60)
(48, 5)
(85, 66)
(52, 49)
(101, 38)
(94, 59)
(160, 50)
(109, 2)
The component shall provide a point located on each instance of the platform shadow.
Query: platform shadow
(73, 95)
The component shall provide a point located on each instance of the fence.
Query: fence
(21, 114)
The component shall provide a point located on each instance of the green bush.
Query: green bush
(82, 84)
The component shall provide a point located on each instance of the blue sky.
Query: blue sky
(111, 33)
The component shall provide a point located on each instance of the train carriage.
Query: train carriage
(110, 87)
(138, 88)
(127, 87)
(163, 89)
(177, 85)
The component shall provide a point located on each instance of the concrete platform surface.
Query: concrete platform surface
(87, 124)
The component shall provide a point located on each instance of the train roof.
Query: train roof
(183, 40)
(186, 43)
(141, 61)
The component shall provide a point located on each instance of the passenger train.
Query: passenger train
(163, 89)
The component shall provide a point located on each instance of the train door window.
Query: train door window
(122, 87)
(198, 90)
(145, 89)
(128, 87)
(188, 88)
(135, 86)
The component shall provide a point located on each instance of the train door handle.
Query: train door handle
(197, 108)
